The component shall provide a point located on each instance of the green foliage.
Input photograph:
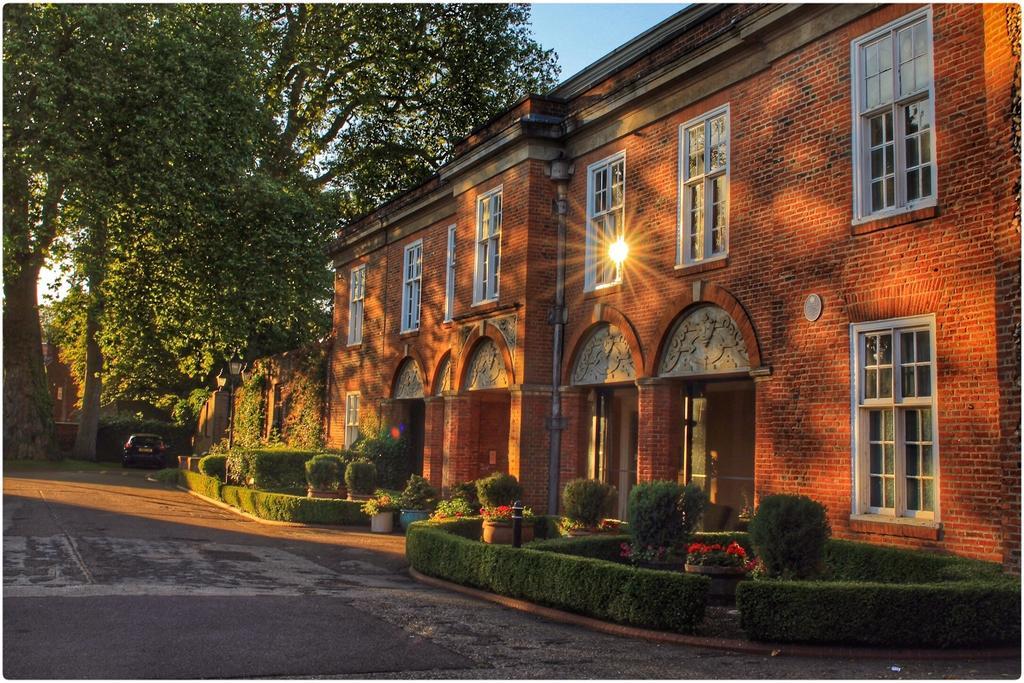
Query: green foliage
(213, 465)
(952, 614)
(852, 561)
(285, 508)
(604, 590)
(382, 501)
(497, 489)
(467, 492)
(587, 501)
(250, 411)
(200, 483)
(361, 477)
(168, 475)
(185, 411)
(114, 432)
(418, 495)
(662, 514)
(302, 424)
(598, 546)
(389, 455)
(453, 508)
(788, 533)
(268, 468)
(323, 472)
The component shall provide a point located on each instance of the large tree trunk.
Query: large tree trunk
(28, 409)
(89, 418)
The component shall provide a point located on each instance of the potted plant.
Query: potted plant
(361, 479)
(381, 509)
(585, 501)
(323, 475)
(453, 508)
(724, 565)
(497, 526)
(416, 501)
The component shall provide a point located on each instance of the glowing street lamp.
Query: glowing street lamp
(618, 251)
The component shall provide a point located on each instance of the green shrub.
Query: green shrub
(587, 501)
(418, 495)
(467, 492)
(661, 600)
(167, 476)
(323, 472)
(453, 508)
(389, 455)
(957, 614)
(598, 546)
(853, 561)
(497, 489)
(268, 468)
(114, 431)
(361, 477)
(200, 483)
(285, 508)
(662, 514)
(788, 533)
(213, 465)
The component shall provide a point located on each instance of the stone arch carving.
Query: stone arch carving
(604, 314)
(704, 341)
(408, 380)
(442, 375)
(463, 362)
(704, 293)
(485, 368)
(604, 357)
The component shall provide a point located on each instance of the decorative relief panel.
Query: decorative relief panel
(606, 357)
(704, 341)
(409, 384)
(446, 377)
(507, 327)
(487, 367)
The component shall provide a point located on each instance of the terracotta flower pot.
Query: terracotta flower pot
(318, 493)
(500, 533)
(361, 497)
(723, 582)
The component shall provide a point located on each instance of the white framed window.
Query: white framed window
(351, 418)
(894, 118)
(703, 188)
(412, 274)
(896, 445)
(606, 219)
(356, 294)
(488, 246)
(449, 281)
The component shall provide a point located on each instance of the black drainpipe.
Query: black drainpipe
(561, 172)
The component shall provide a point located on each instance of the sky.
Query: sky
(580, 33)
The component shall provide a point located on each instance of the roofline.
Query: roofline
(620, 57)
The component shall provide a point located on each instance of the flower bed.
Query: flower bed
(885, 596)
(596, 588)
(276, 506)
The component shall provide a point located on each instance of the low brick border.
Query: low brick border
(732, 645)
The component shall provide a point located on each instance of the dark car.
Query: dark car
(144, 449)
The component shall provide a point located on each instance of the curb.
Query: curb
(732, 645)
(274, 522)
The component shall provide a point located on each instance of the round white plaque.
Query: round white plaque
(812, 307)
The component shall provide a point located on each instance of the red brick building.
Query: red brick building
(821, 295)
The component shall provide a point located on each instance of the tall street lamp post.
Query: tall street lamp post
(231, 381)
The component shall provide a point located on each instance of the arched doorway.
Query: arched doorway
(605, 365)
(705, 354)
(486, 381)
(408, 410)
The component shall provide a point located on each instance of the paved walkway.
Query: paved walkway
(108, 575)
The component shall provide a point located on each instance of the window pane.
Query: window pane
(913, 158)
(887, 426)
(924, 380)
(913, 185)
(907, 347)
(910, 425)
(928, 497)
(875, 125)
(876, 492)
(926, 181)
(696, 150)
(877, 196)
(890, 458)
(875, 425)
(927, 466)
(926, 424)
(885, 383)
(912, 495)
(912, 460)
(877, 169)
(890, 492)
(870, 384)
(718, 141)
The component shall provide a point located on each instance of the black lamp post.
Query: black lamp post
(234, 372)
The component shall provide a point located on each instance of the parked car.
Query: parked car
(147, 449)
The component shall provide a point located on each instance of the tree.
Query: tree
(371, 98)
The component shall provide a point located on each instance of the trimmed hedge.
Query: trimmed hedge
(213, 465)
(269, 468)
(597, 546)
(875, 595)
(200, 483)
(604, 590)
(284, 508)
(952, 614)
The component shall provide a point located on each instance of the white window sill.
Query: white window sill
(709, 262)
(892, 213)
(912, 527)
(354, 345)
(484, 302)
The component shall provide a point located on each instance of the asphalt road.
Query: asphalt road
(108, 575)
